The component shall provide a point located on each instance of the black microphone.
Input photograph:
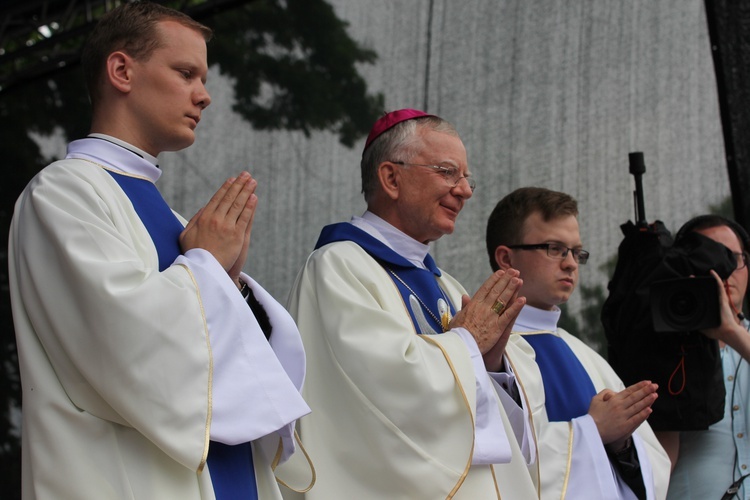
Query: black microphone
(637, 169)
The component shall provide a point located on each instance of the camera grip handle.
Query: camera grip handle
(638, 168)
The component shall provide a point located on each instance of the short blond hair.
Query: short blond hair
(131, 28)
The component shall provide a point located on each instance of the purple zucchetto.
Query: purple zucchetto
(389, 120)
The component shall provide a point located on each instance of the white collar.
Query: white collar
(113, 153)
(532, 319)
(398, 241)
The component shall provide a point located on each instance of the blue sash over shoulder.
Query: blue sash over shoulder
(419, 288)
(231, 467)
(568, 389)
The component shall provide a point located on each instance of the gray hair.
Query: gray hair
(400, 143)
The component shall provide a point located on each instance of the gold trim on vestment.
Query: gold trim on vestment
(537, 332)
(427, 338)
(116, 171)
(570, 458)
(207, 436)
(465, 473)
(494, 479)
(279, 451)
(210, 372)
(531, 424)
(277, 458)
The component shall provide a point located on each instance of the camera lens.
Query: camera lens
(683, 305)
(684, 309)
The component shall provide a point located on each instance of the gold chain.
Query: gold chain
(444, 319)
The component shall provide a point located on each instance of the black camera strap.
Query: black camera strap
(734, 488)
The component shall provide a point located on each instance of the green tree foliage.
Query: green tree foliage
(294, 67)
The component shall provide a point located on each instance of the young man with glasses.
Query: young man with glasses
(715, 462)
(592, 434)
(398, 356)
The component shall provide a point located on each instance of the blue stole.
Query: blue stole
(228, 465)
(567, 387)
(162, 225)
(423, 282)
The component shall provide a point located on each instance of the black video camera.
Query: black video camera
(684, 296)
(685, 304)
(653, 290)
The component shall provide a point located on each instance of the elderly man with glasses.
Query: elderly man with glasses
(406, 375)
(593, 438)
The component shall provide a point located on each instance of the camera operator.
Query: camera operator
(714, 462)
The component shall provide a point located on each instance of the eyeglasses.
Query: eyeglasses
(557, 251)
(740, 259)
(452, 175)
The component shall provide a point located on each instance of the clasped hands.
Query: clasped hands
(223, 226)
(489, 315)
(618, 414)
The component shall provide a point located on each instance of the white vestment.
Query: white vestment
(572, 460)
(128, 372)
(393, 412)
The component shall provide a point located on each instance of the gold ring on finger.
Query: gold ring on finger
(498, 307)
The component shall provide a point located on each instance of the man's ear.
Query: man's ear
(119, 71)
(503, 257)
(390, 179)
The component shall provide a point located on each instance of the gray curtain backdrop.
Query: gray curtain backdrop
(546, 93)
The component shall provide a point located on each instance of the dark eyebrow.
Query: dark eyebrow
(555, 242)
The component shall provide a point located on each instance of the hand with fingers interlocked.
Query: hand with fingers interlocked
(489, 315)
